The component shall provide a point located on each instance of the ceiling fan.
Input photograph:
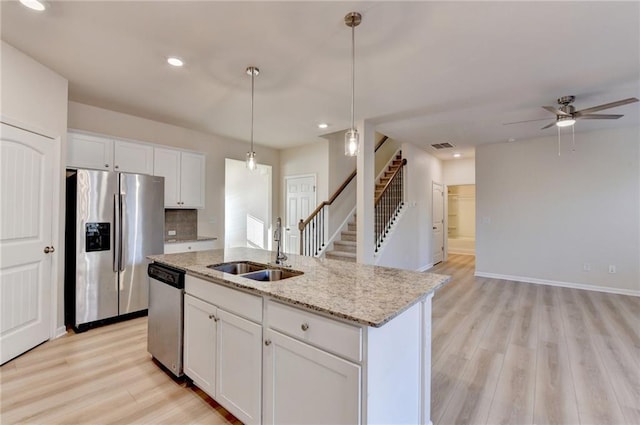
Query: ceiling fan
(566, 114)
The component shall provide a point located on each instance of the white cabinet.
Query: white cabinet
(86, 151)
(192, 246)
(222, 350)
(104, 153)
(200, 343)
(130, 157)
(304, 385)
(239, 366)
(184, 174)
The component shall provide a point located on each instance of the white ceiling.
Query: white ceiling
(426, 72)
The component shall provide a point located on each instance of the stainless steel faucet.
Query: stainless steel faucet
(277, 236)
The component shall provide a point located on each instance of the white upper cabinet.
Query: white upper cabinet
(104, 153)
(133, 157)
(85, 151)
(183, 174)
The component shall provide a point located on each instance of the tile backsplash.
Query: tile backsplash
(183, 222)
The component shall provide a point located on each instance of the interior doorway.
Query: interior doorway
(247, 206)
(461, 215)
(300, 195)
(438, 222)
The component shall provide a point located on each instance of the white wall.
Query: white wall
(410, 246)
(542, 216)
(35, 98)
(459, 171)
(313, 159)
(384, 153)
(216, 148)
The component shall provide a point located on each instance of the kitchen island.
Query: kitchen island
(340, 343)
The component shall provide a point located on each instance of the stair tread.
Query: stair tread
(349, 232)
(349, 243)
(342, 254)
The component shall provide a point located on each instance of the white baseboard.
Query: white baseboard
(571, 285)
(61, 331)
(425, 268)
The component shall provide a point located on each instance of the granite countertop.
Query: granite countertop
(368, 295)
(197, 239)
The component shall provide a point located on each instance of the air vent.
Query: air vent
(444, 145)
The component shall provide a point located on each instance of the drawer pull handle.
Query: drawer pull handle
(267, 342)
(304, 326)
(212, 316)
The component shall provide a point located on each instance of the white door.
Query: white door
(438, 223)
(26, 184)
(239, 368)
(305, 385)
(200, 343)
(301, 201)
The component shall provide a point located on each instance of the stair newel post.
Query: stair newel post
(322, 229)
(301, 230)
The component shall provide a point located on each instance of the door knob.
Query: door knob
(267, 342)
(49, 249)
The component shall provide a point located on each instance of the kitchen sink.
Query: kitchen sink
(238, 267)
(271, 275)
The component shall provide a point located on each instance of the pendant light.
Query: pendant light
(351, 137)
(251, 155)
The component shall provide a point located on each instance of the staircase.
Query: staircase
(345, 248)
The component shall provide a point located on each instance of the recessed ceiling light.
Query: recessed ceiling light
(323, 125)
(34, 4)
(457, 155)
(175, 61)
(511, 139)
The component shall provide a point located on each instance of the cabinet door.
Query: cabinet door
(239, 368)
(304, 385)
(133, 157)
(166, 163)
(192, 176)
(200, 343)
(85, 151)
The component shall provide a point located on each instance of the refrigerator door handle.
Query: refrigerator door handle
(121, 231)
(116, 234)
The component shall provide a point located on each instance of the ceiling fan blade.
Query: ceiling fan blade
(599, 117)
(551, 124)
(606, 106)
(520, 122)
(554, 110)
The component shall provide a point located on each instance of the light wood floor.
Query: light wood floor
(516, 353)
(503, 353)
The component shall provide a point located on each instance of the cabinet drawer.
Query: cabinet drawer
(232, 300)
(328, 334)
(177, 247)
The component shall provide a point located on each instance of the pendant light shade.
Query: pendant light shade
(351, 137)
(252, 164)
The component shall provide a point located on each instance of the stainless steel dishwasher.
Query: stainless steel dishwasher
(165, 326)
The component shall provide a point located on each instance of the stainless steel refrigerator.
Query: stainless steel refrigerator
(114, 221)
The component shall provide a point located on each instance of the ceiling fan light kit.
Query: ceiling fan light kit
(566, 114)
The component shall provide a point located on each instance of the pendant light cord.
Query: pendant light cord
(252, 82)
(353, 73)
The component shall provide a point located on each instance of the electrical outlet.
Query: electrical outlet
(586, 267)
(612, 268)
(171, 232)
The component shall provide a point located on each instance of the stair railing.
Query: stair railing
(388, 203)
(312, 234)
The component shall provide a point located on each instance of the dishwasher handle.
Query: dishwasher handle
(167, 275)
